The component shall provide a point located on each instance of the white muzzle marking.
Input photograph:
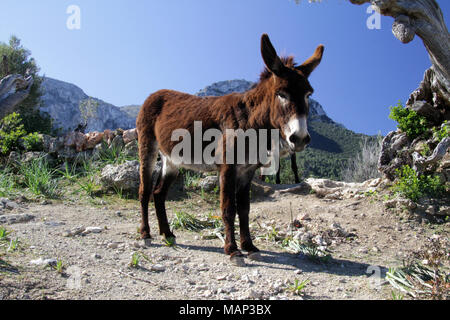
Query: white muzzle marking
(296, 126)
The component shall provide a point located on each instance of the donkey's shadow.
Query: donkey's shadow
(291, 262)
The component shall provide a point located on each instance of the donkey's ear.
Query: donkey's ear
(270, 57)
(309, 65)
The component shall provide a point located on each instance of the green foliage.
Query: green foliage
(413, 186)
(32, 142)
(113, 154)
(186, 221)
(11, 130)
(425, 274)
(21, 62)
(443, 132)
(298, 286)
(3, 234)
(191, 178)
(7, 183)
(309, 249)
(408, 121)
(40, 178)
(13, 135)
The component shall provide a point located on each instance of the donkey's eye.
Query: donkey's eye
(283, 95)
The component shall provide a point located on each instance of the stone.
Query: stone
(75, 140)
(131, 149)
(108, 136)
(117, 143)
(74, 232)
(428, 111)
(113, 245)
(16, 218)
(93, 139)
(89, 230)
(209, 183)
(44, 262)
(123, 177)
(158, 268)
(130, 136)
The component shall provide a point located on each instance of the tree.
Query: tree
(20, 86)
(423, 18)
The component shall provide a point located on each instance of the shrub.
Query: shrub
(364, 165)
(414, 186)
(13, 135)
(32, 142)
(40, 178)
(11, 130)
(443, 132)
(408, 121)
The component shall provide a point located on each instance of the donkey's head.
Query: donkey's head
(289, 90)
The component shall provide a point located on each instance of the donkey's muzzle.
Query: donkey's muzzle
(297, 143)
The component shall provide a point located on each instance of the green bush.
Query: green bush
(13, 135)
(408, 121)
(414, 186)
(443, 132)
(11, 130)
(32, 142)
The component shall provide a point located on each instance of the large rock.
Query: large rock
(75, 140)
(93, 139)
(123, 177)
(394, 154)
(129, 135)
(209, 183)
(426, 110)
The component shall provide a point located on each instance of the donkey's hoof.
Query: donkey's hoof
(238, 260)
(255, 256)
(145, 235)
(147, 242)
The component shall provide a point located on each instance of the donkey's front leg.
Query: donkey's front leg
(228, 207)
(243, 209)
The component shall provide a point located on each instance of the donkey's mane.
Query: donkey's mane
(287, 61)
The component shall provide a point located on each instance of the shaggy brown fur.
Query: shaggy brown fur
(259, 108)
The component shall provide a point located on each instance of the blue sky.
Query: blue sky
(126, 50)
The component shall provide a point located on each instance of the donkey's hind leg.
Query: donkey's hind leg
(169, 173)
(148, 152)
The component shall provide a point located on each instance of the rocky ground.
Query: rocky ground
(82, 249)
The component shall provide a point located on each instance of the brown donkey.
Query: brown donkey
(278, 101)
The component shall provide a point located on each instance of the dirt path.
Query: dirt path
(97, 263)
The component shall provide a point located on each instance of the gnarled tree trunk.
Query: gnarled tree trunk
(13, 90)
(425, 19)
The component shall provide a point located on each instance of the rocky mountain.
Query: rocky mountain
(62, 101)
(226, 87)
